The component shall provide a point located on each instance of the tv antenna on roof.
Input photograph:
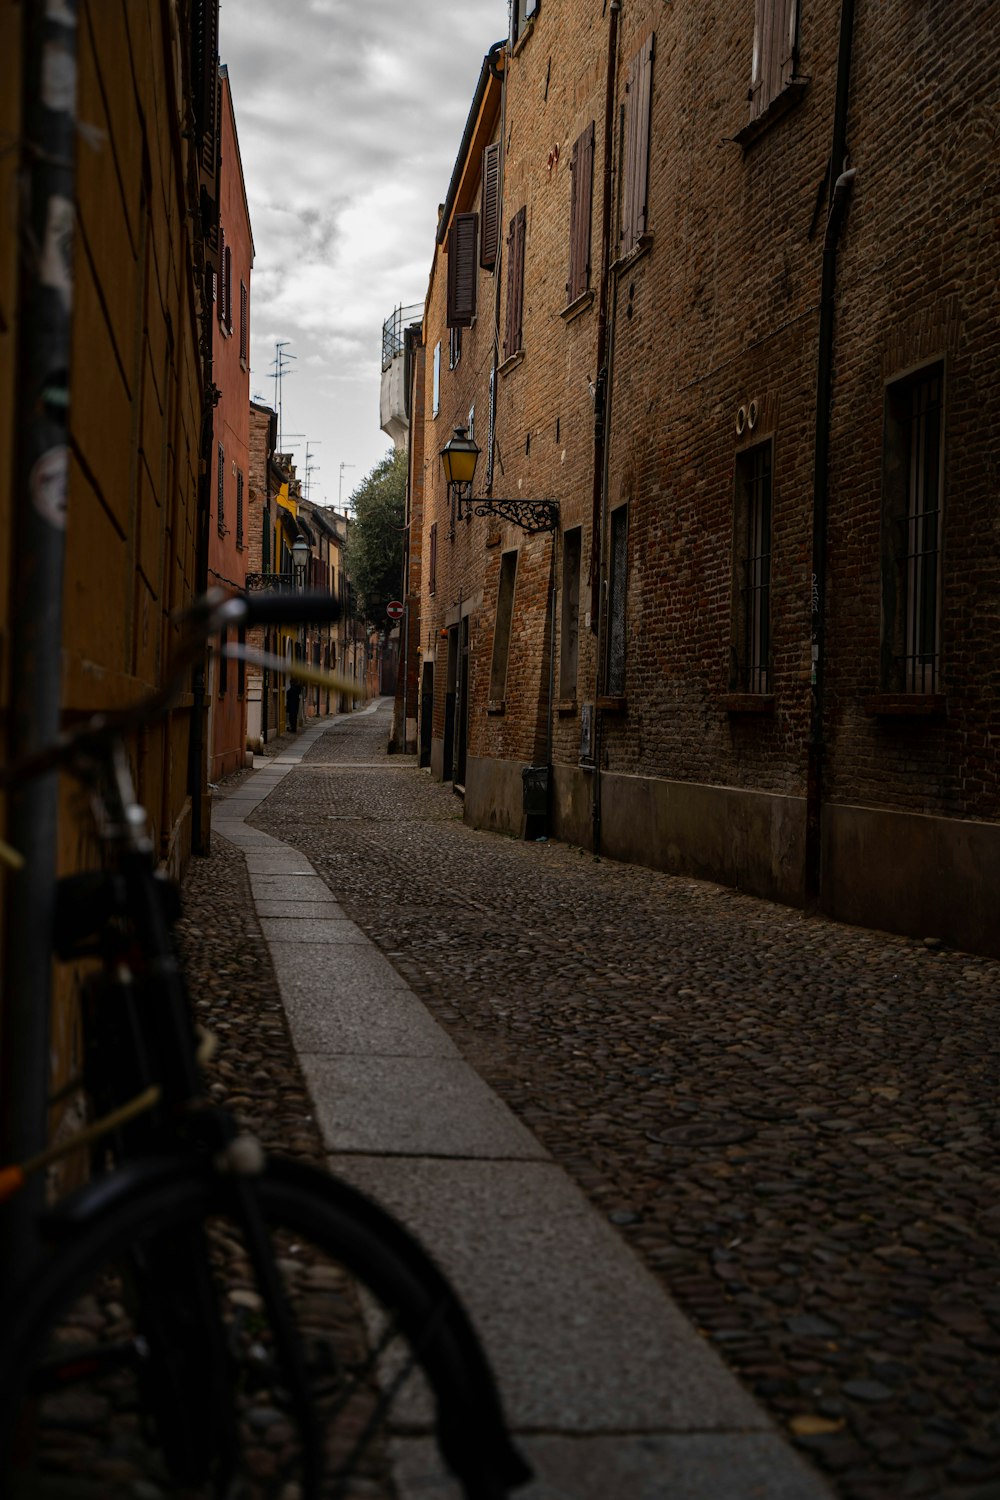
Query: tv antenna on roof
(340, 485)
(278, 366)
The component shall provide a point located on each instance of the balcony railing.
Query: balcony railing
(274, 582)
(395, 327)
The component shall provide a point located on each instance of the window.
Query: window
(462, 270)
(635, 178)
(580, 203)
(244, 324)
(222, 276)
(436, 405)
(515, 283)
(454, 347)
(221, 490)
(489, 242)
(570, 632)
(433, 564)
(239, 507)
(911, 533)
(522, 11)
(775, 38)
(470, 424)
(750, 669)
(501, 634)
(617, 580)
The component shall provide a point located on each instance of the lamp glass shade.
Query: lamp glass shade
(300, 552)
(459, 456)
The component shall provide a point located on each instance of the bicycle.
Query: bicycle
(128, 1353)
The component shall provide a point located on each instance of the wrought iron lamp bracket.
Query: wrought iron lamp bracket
(533, 516)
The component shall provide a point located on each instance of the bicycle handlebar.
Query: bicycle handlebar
(285, 609)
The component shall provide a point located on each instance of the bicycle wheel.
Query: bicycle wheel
(388, 1354)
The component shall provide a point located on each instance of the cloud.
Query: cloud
(349, 118)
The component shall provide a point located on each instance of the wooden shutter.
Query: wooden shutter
(515, 283)
(581, 198)
(227, 279)
(639, 91)
(775, 40)
(490, 239)
(244, 323)
(432, 581)
(462, 270)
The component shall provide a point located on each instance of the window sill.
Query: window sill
(578, 305)
(626, 262)
(566, 707)
(791, 94)
(749, 703)
(613, 703)
(906, 705)
(511, 363)
(496, 706)
(522, 40)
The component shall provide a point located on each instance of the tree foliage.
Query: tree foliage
(375, 537)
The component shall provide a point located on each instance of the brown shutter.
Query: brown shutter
(462, 270)
(244, 323)
(775, 41)
(515, 283)
(222, 274)
(490, 240)
(581, 196)
(636, 172)
(227, 277)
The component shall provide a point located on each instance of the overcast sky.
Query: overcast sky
(350, 117)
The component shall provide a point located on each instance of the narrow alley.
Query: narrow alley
(790, 1122)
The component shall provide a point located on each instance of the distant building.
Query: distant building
(227, 534)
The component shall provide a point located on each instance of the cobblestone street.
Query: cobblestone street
(793, 1122)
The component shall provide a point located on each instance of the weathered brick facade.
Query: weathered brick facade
(799, 694)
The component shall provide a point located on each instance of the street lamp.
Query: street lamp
(300, 561)
(458, 458)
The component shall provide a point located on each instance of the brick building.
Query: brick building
(723, 285)
(110, 119)
(227, 532)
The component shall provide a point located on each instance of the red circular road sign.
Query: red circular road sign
(394, 609)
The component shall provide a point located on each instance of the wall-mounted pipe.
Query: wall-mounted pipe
(843, 179)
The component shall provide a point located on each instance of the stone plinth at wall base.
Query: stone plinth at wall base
(494, 794)
(913, 873)
(754, 841)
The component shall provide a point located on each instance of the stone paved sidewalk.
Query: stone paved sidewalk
(793, 1122)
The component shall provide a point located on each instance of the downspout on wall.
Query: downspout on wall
(40, 474)
(602, 411)
(843, 180)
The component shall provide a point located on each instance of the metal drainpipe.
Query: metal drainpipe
(843, 184)
(40, 475)
(602, 412)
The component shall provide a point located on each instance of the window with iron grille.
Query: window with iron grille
(221, 491)
(569, 640)
(501, 634)
(239, 507)
(617, 582)
(750, 669)
(913, 460)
